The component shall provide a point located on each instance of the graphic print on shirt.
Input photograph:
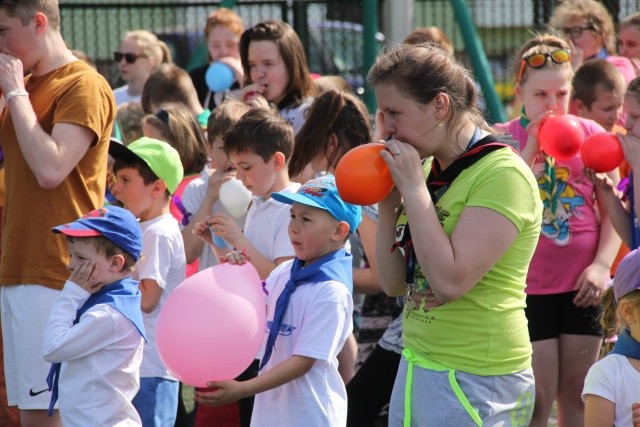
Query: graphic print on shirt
(285, 329)
(419, 293)
(556, 224)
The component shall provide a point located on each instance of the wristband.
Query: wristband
(14, 93)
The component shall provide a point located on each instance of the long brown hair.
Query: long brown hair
(333, 112)
(421, 72)
(300, 85)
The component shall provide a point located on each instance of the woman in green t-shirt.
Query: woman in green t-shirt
(465, 236)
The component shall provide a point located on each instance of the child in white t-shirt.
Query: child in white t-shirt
(612, 386)
(94, 335)
(147, 172)
(309, 317)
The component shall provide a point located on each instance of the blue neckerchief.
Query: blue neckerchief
(524, 120)
(333, 266)
(122, 295)
(626, 345)
(602, 54)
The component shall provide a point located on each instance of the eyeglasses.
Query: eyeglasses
(576, 32)
(538, 60)
(129, 58)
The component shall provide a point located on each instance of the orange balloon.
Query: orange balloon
(362, 176)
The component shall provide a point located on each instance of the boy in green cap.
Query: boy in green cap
(147, 172)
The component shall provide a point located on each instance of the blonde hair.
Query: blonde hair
(611, 319)
(151, 46)
(541, 43)
(593, 12)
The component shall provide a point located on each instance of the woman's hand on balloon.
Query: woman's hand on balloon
(631, 148)
(600, 180)
(225, 392)
(236, 257)
(201, 229)
(225, 227)
(404, 164)
(235, 65)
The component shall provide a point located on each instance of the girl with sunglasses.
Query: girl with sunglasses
(577, 244)
(140, 51)
(588, 28)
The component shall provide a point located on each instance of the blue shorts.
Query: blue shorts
(157, 402)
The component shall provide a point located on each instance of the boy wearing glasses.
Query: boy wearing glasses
(55, 132)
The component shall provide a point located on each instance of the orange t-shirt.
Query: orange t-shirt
(31, 253)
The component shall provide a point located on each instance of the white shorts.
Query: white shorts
(25, 311)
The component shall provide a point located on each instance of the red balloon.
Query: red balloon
(602, 152)
(362, 176)
(561, 136)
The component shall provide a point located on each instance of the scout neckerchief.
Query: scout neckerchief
(549, 186)
(122, 295)
(439, 181)
(627, 346)
(333, 266)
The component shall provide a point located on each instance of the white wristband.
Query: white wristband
(14, 93)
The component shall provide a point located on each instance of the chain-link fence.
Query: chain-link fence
(331, 30)
(503, 26)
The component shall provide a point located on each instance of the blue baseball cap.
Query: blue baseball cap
(322, 193)
(114, 223)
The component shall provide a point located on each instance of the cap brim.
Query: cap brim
(289, 198)
(75, 229)
(120, 151)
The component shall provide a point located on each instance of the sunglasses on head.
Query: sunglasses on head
(575, 32)
(538, 60)
(129, 58)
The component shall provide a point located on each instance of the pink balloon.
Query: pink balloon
(212, 325)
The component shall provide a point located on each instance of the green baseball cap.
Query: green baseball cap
(161, 157)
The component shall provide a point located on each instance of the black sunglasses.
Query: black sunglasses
(129, 58)
(576, 32)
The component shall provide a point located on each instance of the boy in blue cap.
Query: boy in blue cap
(309, 311)
(95, 333)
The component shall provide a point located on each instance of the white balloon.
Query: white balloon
(235, 197)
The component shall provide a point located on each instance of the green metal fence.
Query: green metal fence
(332, 30)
